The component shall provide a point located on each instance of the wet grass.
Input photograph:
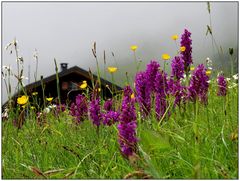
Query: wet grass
(188, 144)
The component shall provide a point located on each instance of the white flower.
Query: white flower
(228, 79)
(52, 106)
(209, 81)
(5, 113)
(235, 76)
(6, 67)
(46, 110)
(209, 63)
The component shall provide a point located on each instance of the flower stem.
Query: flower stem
(135, 59)
(57, 78)
(113, 86)
(197, 145)
(43, 93)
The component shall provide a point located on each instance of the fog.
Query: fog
(66, 31)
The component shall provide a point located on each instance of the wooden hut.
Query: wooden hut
(69, 81)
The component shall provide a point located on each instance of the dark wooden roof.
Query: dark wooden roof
(73, 70)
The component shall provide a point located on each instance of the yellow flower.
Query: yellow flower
(22, 100)
(208, 72)
(112, 69)
(99, 89)
(134, 47)
(175, 37)
(182, 49)
(49, 99)
(35, 93)
(83, 85)
(132, 96)
(165, 57)
(192, 68)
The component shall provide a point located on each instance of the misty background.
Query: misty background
(66, 31)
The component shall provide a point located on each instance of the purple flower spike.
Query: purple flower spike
(222, 86)
(187, 54)
(151, 72)
(110, 118)
(177, 90)
(198, 87)
(95, 111)
(128, 124)
(161, 88)
(177, 68)
(60, 108)
(143, 93)
(108, 105)
(79, 109)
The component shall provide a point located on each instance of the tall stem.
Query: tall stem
(135, 59)
(164, 88)
(232, 64)
(43, 93)
(18, 71)
(113, 86)
(197, 141)
(57, 78)
(35, 74)
(98, 71)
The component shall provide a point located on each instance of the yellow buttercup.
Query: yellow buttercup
(134, 47)
(112, 69)
(49, 99)
(175, 37)
(165, 57)
(22, 100)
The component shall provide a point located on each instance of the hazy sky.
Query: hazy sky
(66, 31)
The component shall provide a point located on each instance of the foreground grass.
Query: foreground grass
(195, 143)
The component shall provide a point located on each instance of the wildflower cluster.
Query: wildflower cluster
(177, 68)
(161, 88)
(95, 111)
(176, 90)
(128, 124)
(110, 117)
(151, 72)
(153, 91)
(187, 53)
(222, 86)
(199, 85)
(79, 108)
(143, 95)
(108, 105)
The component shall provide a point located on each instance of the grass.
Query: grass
(61, 149)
